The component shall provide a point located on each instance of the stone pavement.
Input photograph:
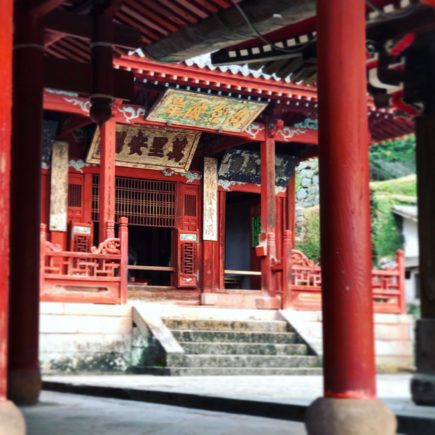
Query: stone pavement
(68, 414)
(292, 390)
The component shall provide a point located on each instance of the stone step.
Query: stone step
(201, 336)
(227, 325)
(248, 361)
(243, 348)
(228, 371)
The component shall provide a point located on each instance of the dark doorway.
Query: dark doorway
(241, 237)
(150, 246)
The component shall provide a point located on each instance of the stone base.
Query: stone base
(209, 298)
(24, 386)
(11, 420)
(423, 389)
(267, 303)
(327, 416)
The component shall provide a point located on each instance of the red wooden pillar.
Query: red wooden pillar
(291, 207)
(348, 338)
(24, 376)
(268, 214)
(107, 178)
(10, 418)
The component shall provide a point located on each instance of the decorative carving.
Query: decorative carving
(78, 164)
(253, 129)
(52, 247)
(110, 246)
(288, 132)
(300, 259)
(130, 113)
(308, 124)
(84, 105)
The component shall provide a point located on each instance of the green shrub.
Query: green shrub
(310, 243)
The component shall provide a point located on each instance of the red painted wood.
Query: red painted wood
(291, 208)
(268, 214)
(349, 365)
(68, 276)
(5, 157)
(25, 194)
(209, 269)
(181, 71)
(221, 236)
(187, 253)
(107, 175)
(123, 273)
(45, 192)
(80, 106)
(286, 298)
(387, 291)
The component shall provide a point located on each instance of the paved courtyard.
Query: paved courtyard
(297, 390)
(69, 414)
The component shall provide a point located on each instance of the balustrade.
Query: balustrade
(99, 276)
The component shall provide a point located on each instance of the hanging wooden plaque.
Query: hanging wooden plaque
(150, 147)
(209, 111)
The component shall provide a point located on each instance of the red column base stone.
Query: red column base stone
(11, 420)
(327, 416)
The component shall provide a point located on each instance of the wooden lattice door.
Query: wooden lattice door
(187, 237)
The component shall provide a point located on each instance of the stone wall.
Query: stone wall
(307, 191)
(85, 337)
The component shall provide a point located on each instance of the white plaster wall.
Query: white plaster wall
(410, 233)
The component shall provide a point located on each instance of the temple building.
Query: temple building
(201, 164)
(147, 212)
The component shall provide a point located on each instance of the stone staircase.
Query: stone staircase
(222, 347)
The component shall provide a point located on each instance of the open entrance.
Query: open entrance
(150, 255)
(149, 206)
(242, 228)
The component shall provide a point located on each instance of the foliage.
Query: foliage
(393, 159)
(310, 240)
(404, 186)
(386, 236)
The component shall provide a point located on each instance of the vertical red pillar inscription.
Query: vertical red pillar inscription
(349, 367)
(5, 150)
(107, 177)
(24, 378)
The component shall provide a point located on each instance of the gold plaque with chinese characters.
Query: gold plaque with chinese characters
(150, 147)
(208, 111)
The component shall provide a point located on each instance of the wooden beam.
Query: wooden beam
(44, 7)
(77, 77)
(133, 114)
(198, 39)
(82, 26)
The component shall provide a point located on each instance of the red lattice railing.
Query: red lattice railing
(388, 288)
(99, 276)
